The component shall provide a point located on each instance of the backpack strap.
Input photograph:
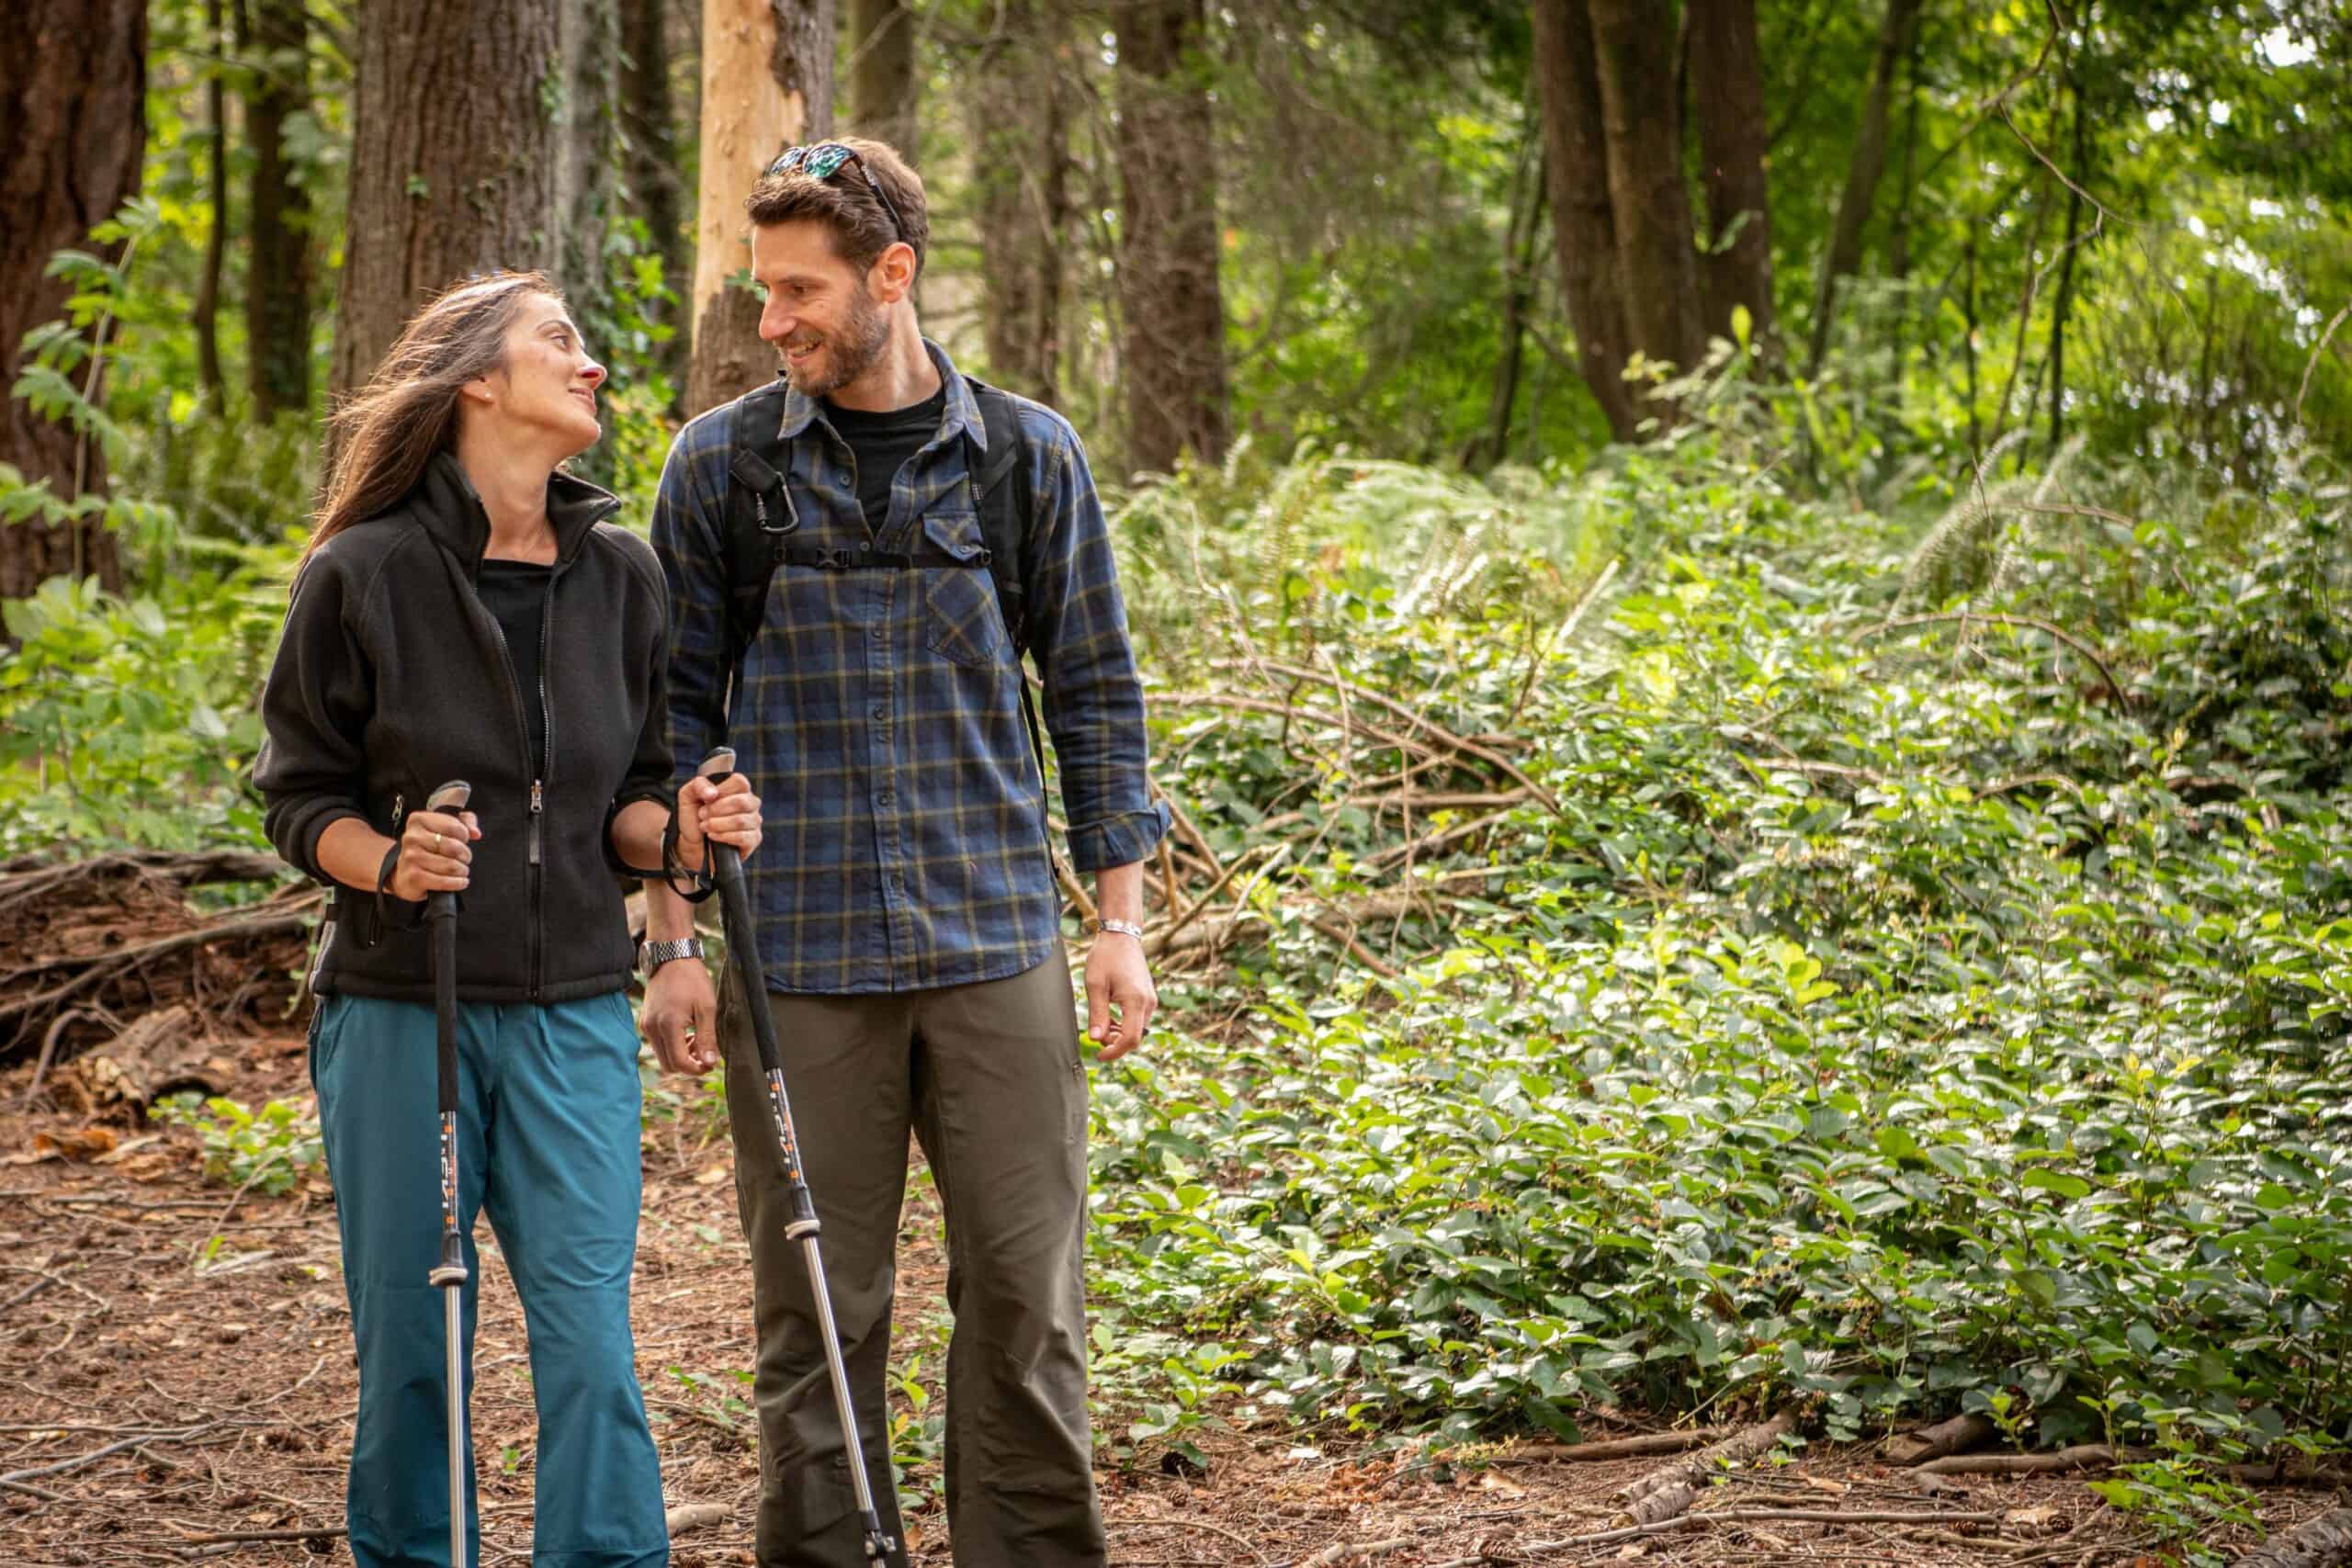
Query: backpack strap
(757, 515)
(1007, 509)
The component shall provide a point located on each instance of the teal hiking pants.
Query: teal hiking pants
(548, 1105)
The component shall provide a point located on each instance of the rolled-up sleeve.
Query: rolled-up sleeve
(1094, 697)
(311, 768)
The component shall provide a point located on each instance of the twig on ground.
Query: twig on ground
(1189, 1525)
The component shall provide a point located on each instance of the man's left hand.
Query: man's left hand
(1119, 995)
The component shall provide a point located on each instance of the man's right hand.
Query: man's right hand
(680, 1019)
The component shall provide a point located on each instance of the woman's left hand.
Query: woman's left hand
(725, 813)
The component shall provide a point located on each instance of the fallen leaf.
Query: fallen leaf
(87, 1144)
(127, 1147)
(1835, 1488)
(1634, 1549)
(1493, 1481)
(2032, 1518)
(711, 1176)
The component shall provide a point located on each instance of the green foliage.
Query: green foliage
(270, 1149)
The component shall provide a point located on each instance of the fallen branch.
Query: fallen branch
(1669, 1489)
(99, 966)
(1757, 1517)
(2062, 1462)
(321, 1532)
(1341, 1551)
(2323, 1542)
(1958, 1435)
(1631, 1447)
(1188, 1525)
(693, 1516)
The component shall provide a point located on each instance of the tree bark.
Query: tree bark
(2063, 304)
(78, 132)
(1171, 301)
(1583, 222)
(1493, 444)
(650, 168)
(207, 308)
(767, 82)
(453, 161)
(1727, 74)
(1861, 176)
(1656, 257)
(277, 280)
(586, 91)
(882, 90)
(1019, 114)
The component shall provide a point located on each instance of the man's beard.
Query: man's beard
(848, 354)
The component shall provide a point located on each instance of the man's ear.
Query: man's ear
(894, 272)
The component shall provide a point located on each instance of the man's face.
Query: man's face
(820, 314)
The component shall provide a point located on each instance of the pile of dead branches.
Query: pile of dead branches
(94, 947)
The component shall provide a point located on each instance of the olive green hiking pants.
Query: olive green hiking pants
(988, 1076)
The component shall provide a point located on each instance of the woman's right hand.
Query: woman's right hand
(436, 854)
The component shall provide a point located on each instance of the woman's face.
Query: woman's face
(548, 386)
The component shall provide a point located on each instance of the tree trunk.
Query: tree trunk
(277, 281)
(1019, 117)
(78, 132)
(2063, 304)
(1170, 297)
(651, 169)
(1492, 445)
(767, 82)
(882, 74)
(1861, 176)
(453, 159)
(1657, 259)
(207, 310)
(1728, 80)
(588, 57)
(1583, 224)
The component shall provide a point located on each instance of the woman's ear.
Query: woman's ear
(479, 391)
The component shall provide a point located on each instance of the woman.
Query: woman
(463, 612)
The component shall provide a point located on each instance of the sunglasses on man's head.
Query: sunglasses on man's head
(823, 159)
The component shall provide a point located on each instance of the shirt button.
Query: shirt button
(881, 712)
(879, 633)
(885, 798)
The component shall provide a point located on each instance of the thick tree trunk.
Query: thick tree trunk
(207, 310)
(1583, 224)
(882, 74)
(1169, 296)
(588, 56)
(77, 129)
(1861, 176)
(1647, 191)
(1019, 117)
(453, 159)
(277, 281)
(1727, 82)
(655, 189)
(767, 82)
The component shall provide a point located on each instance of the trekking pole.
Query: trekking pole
(450, 1275)
(743, 951)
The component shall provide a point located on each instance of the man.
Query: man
(907, 909)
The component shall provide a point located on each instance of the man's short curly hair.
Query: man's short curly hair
(861, 228)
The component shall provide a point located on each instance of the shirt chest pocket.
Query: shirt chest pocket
(961, 623)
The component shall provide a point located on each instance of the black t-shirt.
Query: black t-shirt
(882, 442)
(515, 592)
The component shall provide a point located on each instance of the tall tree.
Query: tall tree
(1584, 221)
(277, 281)
(1648, 194)
(452, 160)
(207, 308)
(1018, 112)
(1862, 175)
(1169, 298)
(882, 90)
(651, 169)
(1727, 88)
(767, 81)
(588, 67)
(76, 130)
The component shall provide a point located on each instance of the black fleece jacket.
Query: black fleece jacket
(392, 679)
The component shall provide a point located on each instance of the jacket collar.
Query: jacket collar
(963, 413)
(450, 509)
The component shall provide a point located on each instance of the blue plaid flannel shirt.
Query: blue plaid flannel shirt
(878, 714)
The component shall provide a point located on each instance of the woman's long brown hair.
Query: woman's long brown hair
(382, 438)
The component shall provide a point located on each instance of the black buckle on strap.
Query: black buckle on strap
(837, 559)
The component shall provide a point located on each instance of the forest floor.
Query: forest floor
(176, 1368)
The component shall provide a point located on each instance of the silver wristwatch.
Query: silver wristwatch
(657, 954)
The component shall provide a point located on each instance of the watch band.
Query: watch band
(1124, 928)
(657, 954)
